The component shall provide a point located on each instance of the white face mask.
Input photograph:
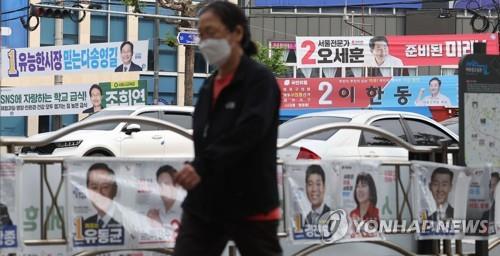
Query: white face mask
(215, 51)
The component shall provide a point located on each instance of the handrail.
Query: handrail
(387, 244)
(325, 127)
(493, 243)
(6, 141)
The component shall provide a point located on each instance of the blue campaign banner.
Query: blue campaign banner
(421, 91)
(8, 236)
(410, 4)
(11, 11)
(476, 4)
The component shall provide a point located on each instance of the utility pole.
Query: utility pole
(58, 79)
(156, 54)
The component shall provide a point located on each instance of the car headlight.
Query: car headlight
(68, 144)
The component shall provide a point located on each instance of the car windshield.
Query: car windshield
(103, 113)
(294, 126)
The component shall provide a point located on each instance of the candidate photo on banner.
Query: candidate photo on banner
(95, 94)
(440, 198)
(10, 231)
(362, 189)
(312, 191)
(117, 204)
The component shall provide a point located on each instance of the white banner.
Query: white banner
(125, 204)
(47, 100)
(10, 231)
(440, 201)
(333, 201)
(57, 60)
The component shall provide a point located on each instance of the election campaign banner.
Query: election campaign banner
(362, 92)
(440, 202)
(70, 99)
(384, 52)
(123, 203)
(58, 60)
(10, 224)
(125, 93)
(319, 192)
(409, 4)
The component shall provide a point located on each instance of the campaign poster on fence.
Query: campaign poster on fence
(10, 225)
(383, 52)
(124, 93)
(58, 60)
(362, 92)
(481, 203)
(123, 203)
(440, 201)
(70, 99)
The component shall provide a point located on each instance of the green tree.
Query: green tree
(275, 62)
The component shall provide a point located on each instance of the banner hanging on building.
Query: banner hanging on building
(10, 225)
(58, 60)
(70, 99)
(389, 51)
(322, 192)
(440, 202)
(410, 4)
(362, 92)
(123, 204)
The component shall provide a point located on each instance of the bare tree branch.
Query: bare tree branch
(172, 4)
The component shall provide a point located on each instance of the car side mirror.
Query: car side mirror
(131, 128)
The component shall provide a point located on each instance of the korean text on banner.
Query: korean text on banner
(389, 51)
(104, 57)
(369, 92)
(124, 93)
(440, 202)
(117, 204)
(9, 203)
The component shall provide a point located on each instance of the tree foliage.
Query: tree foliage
(274, 62)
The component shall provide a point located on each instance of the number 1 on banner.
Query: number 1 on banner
(78, 229)
(12, 63)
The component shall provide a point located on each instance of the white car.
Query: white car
(356, 144)
(111, 139)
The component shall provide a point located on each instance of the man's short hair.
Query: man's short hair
(495, 175)
(315, 169)
(103, 166)
(125, 43)
(435, 79)
(442, 170)
(95, 86)
(166, 169)
(375, 39)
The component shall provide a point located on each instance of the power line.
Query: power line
(16, 10)
(15, 18)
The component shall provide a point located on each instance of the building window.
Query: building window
(197, 84)
(168, 55)
(98, 28)
(109, 27)
(167, 91)
(13, 126)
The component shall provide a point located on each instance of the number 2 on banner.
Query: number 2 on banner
(12, 63)
(78, 229)
(328, 88)
(311, 48)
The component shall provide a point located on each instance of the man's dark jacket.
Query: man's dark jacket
(235, 146)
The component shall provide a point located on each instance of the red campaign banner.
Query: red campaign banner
(436, 50)
(331, 92)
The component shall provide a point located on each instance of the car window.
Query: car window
(294, 126)
(426, 134)
(392, 125)
(104, 113)
(181, 119)
(147, 127)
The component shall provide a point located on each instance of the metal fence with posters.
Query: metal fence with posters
(70, 99)
(103, 57)
(389, 51)
(123, 204)
(440, 201)
(343, 192)
(10, 224)
(369, 92)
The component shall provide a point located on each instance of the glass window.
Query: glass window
(118, 32)
(103, 113)
(197, 84)
(167, 91)
(98, 28)
(391, 125)
(47, 31)
(147, 127)
(70, 31)
(181, 119)
(200, 65)
(426, 134)
(282, 10)
(13, 126)
(295, 126)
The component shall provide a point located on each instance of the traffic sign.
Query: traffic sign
(188, 38)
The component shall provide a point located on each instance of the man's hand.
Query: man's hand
(188, 178)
